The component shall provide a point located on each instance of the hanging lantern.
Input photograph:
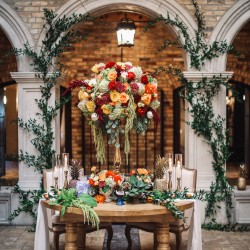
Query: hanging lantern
(125, 32)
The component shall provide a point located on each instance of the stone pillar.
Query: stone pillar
(28, 91)
(197, 153)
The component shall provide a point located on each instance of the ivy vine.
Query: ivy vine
(58, 39)
(200, 96)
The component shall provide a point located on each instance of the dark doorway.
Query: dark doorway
(2, 133)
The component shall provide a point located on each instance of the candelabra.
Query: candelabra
(66, 184)
(178, 184)
(169, 181)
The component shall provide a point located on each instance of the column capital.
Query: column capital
(197, 75)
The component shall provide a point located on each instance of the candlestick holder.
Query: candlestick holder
(178, 184)
(169, 181)
(56, 183)
(66, 184)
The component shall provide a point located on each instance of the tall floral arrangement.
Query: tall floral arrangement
(117, 99)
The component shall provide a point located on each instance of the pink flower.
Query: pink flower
(120, 87)
(134, 87)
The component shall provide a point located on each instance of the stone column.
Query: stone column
(197, 153)
(28, 91)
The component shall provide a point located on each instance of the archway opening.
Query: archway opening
(8, 113)
(238, 118)
(101, 46)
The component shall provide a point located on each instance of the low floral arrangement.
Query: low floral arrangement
(141, 181)
(102, 182)
(120, 97)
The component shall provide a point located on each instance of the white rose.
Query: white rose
(81, 105)
(92, 82)
(149, 115)
(124, 75)
(141, 89)
(137, 71)
(140, 104)
(94, 117)
(103, 86)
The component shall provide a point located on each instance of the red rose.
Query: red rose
(89, 87)
(112, 85)
(137, 98)
(141, 111)
(144, 79)
(91, 182)
(101, 184)
(110, 65)
(131, 76)
(120, 87)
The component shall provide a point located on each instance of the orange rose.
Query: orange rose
(124, 97)
(150, 89)
(112, 75)
(142, 171)
(126, 85)
(146, 99)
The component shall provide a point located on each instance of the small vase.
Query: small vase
(106, 194)
(241, 184)
(119, 200)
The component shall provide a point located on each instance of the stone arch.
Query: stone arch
(151, 8)
(16, 31)
(227, 28)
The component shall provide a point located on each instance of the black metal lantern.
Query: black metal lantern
(125, 32)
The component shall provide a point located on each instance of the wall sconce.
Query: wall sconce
(125, 31)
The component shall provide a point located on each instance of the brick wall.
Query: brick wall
(7, 64)
(241, 66)
(32, 11)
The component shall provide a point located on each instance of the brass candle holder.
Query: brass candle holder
(178, 184)
(66, 184)
(170, 181)
(56, 183)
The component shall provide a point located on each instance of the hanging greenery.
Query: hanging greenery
(59, 37)
(200, 97)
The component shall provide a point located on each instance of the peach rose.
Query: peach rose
(102, 176)
(142, 171)
(115, 96)
(90, 106)
(93, 169)
(146, 99)
(124, 97)
(112, 75)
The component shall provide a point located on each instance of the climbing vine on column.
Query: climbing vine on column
(59, 36)
(199, 95)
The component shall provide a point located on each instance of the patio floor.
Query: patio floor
(18, 238)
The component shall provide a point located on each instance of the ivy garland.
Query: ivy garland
(200, 96)
(58, 39)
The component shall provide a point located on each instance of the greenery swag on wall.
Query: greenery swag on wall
(58, 39)
(200, 96)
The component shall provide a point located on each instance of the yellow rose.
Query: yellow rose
(115, 96)
(90, 106)
(121, 64)
(82, 95)
(112, 75)
(146, 99)
(105, 109)
(124, 97)
(95, 69)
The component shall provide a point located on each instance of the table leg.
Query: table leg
(81, 236)
(71, 236)
(162, 236)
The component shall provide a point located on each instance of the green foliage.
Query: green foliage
(138, 186)
(59, 37)
(68, 198)
(200, 96)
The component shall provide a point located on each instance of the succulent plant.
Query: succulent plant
(160, 167)
(75, 169)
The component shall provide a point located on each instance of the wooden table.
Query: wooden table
(110, 212)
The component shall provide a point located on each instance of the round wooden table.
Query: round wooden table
(110, 212)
